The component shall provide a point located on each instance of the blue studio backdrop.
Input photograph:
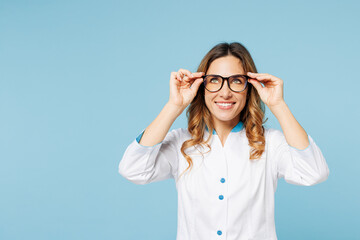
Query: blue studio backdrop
(80, 79)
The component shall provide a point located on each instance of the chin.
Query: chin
(225, 119)
(225, 116)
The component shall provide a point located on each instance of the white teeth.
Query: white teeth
(224, 104)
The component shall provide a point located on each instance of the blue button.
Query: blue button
(221, 197)
(222, 180)
(219, 232)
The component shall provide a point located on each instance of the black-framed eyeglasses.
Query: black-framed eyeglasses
(236, 83)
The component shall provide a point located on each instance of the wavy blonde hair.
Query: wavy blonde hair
(252, 115)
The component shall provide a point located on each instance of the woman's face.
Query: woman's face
(225, 66)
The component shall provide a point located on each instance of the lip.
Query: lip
(223, 102)
(225, 107)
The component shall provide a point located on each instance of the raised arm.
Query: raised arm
(152, 156)
(180, 97)
(296, 157)
(272, 95)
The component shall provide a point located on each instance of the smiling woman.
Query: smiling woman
(225, 163)
(225, 105)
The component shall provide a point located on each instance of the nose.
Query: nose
(225, 91)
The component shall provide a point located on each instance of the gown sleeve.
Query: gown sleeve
(145, 164)
(305, 167)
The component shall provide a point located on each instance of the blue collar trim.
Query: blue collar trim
(237, 128)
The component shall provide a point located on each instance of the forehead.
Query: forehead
(226, 66)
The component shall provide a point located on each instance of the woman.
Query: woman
(226, 164)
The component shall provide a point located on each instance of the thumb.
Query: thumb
(196, 84)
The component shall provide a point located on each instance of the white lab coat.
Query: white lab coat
(225, 195)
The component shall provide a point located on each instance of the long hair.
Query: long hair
(252, 115)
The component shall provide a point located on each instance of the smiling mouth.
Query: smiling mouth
(225, 104)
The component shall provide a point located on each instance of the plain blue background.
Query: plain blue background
(79, 80)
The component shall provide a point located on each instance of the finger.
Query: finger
(185, 72)
(198, 74)
(196, 84)
(174, 76)
(263, 82)
(181, 76)
(257, 74)
(256, 84)
(263, 76)
(269, 80)
(178, 76)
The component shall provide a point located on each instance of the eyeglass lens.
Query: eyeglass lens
(213, 83)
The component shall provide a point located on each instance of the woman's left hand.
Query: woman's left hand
(272, 93)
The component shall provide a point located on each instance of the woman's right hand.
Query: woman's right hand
(181, 94)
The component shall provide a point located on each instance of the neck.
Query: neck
(224, 128)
